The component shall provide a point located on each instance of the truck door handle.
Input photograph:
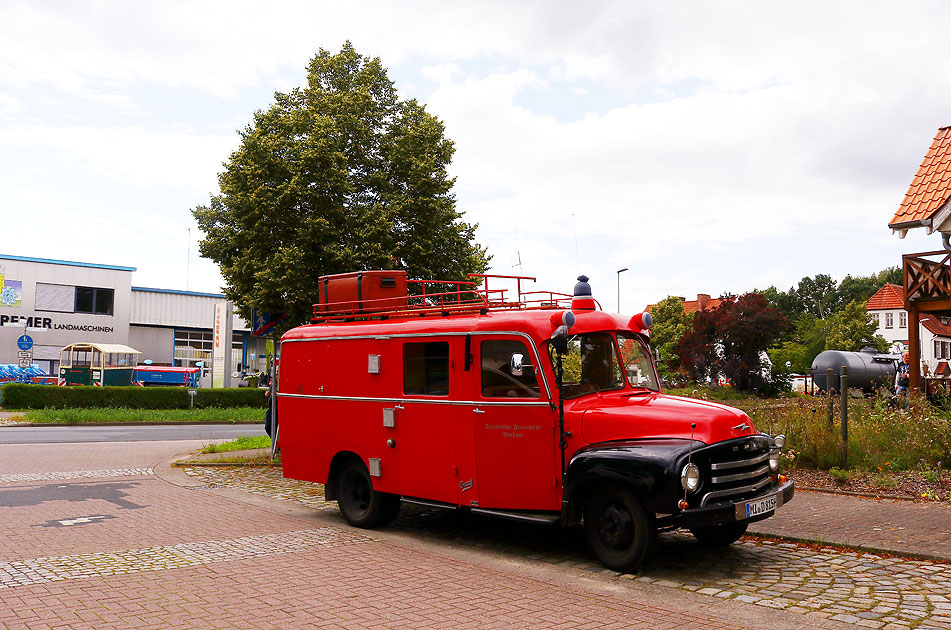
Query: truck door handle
(477, 410)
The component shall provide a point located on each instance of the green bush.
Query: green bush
(883, 435)
(20, 396)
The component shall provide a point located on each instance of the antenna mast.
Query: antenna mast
(518, 250)
(188, 257)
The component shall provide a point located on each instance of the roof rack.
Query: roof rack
(462, 297)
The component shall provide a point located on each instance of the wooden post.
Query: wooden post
(844, 415)
(914, 350)
(830, 410)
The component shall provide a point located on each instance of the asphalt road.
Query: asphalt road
(57, 434)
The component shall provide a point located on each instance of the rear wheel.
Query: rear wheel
(618, 529)
(360, 504)
(720, 535)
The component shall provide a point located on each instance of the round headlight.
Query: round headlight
(773, 461)
(779, 441)
(690, 478)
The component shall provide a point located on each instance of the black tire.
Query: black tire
(618, 529)
(360, 504)
(720, 535)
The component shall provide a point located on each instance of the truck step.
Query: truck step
(545, 518)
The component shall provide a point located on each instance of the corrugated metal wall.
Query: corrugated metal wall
(176, 309)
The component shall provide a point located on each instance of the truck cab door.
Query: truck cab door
(514, 426)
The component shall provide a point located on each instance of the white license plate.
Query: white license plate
(758, 507)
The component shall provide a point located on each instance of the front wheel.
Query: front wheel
(618, 529)
(720, 535)
(360, 504)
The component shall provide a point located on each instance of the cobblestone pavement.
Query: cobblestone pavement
(241, 566)
(865, 590)
(56, 569)
(75, 474)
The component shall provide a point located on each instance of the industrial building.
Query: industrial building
(58, 302)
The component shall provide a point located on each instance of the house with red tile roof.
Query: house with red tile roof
(887, 310)
(926, 204)
(702, 303)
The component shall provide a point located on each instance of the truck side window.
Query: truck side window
(497, 378)
(426, 368)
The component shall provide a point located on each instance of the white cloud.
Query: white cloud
(171, 158)
(727, 145)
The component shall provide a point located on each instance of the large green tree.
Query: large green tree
(821, 297)
(731, 340)
(339, 175)
(850, 329)
(671, 323)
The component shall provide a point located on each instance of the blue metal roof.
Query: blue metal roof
(177, 292)
(65, 262)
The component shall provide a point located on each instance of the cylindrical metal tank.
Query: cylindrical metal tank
(868, 369)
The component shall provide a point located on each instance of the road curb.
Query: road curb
(879, 551)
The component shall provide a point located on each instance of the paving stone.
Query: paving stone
(862, 589)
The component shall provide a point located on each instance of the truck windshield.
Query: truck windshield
(636, 358)
(591, 365)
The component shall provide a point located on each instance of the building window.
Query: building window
(889, 320)
(873, 317)
(942, 349)
(59, 298)
(903, 319)
(95, 301)
(193, 346)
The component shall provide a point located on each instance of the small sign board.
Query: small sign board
(24, 342)
(25, 363)
(192, 392)
(24, 354)
(262, 323)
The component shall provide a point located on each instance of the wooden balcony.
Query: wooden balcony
(927, 282)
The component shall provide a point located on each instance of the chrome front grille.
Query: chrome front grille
(737, 470)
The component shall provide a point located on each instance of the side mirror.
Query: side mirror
(515, 365)
(559, 340)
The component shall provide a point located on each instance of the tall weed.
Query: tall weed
(883, 433)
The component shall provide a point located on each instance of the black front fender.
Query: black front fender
(648, 467)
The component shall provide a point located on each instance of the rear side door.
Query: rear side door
(514, 426)
(424, 418)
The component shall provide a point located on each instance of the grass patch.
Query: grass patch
(883, 435)
(839, 475)
(171, 416)
(704, 392)
(243, 442)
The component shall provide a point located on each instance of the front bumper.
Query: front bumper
(723, 513)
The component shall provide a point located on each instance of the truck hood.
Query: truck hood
(628, 417)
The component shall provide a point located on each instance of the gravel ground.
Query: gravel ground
(916, 485)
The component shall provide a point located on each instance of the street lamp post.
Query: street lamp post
(619, 288)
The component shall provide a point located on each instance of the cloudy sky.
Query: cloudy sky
(709, 147)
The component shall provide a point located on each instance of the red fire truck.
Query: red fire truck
(540, 408)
